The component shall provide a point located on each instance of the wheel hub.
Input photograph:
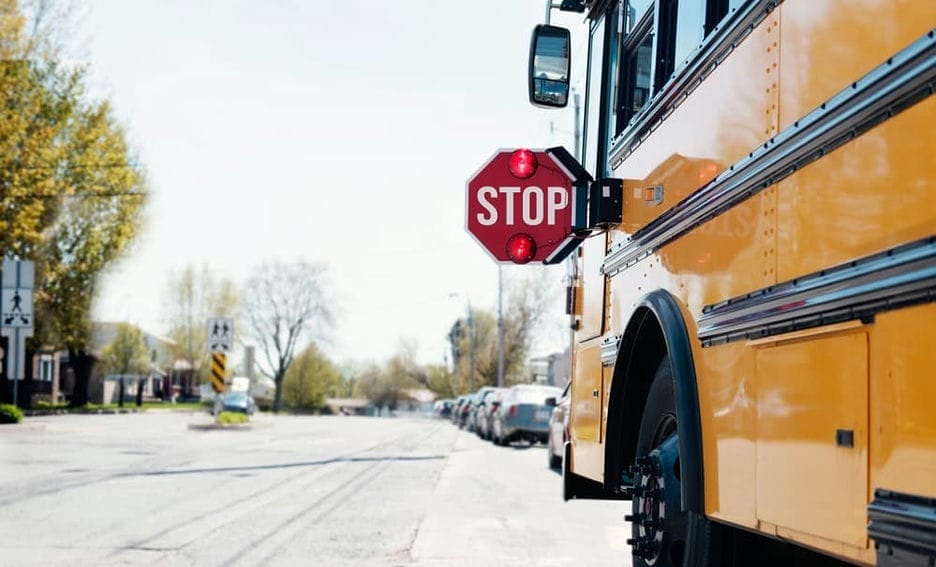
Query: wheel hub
(659, 526)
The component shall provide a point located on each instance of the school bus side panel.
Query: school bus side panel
(873, 194)
(808, 390)
(903, 417)
(877, 191)
(731, 112)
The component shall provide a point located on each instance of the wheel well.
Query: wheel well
(642, 348)
(656, 329)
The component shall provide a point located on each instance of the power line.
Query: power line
(106, 195)
(78, 166)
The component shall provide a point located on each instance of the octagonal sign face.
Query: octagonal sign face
(521, 206)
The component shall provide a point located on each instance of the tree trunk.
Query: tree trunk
(120, 394)
(27, 385)
(139, 395)
(82, 365)
(278, 399)
(6, 394)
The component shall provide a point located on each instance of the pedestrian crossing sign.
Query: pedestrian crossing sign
(220, 334)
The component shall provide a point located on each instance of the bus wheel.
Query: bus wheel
(663, 534)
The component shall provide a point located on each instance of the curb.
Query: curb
(218, 426)
(42, 413)
(231, 426)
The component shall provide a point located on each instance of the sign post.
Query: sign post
(16, 316)
(220, 342)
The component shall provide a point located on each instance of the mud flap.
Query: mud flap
(576, 487)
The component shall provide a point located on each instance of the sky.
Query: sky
(337, 132)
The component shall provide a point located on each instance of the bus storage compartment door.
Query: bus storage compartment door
(812, 437)
(585, 414)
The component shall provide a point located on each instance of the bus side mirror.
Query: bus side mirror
(550, 66)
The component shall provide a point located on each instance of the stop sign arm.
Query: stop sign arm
(581, 179)
(570, 166)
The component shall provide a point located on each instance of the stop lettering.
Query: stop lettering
(535, 204)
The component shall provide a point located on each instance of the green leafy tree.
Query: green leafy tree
(371, 383)
(528, 302)
(126, 354)
(93, 229)
(71, 195)
(388, 385)
(310, 379)
(440, 380)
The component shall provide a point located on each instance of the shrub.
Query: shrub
(231, 418)
(10, 414)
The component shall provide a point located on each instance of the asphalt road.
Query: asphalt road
(146, 489)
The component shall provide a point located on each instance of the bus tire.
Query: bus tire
(664, 535)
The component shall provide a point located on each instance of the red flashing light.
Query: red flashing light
(521, 248)
(522, 163)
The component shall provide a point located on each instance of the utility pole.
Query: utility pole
(577, 150)
(471, 352)
(500, 326)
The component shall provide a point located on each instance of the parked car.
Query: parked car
(239, 402)
(489, 403)
(558, 426)
(443, 408)
(523, 414)
(474, 402)
(460, 413)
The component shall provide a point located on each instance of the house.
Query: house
(552, 370)
(54, 379)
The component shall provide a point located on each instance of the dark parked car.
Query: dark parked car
(239, 402)
(558, 426)
(523, 414)
(443, 408)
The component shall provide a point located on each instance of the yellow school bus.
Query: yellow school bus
(754, 352)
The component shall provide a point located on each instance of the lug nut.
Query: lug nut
(647, 550)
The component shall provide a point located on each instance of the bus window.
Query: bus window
(716, 10)
(596, 44)
(690, 28)
(656, 43)
(617, 22)
(637, 66)
(634, 11)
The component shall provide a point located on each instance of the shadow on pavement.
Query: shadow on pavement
(282, 465)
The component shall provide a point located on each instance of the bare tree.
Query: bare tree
(191, 297)
(530, 299)
(285, 305)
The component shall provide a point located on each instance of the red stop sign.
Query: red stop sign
(523, 205)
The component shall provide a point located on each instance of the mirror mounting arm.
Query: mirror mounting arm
(550, 4)
(564, 6)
